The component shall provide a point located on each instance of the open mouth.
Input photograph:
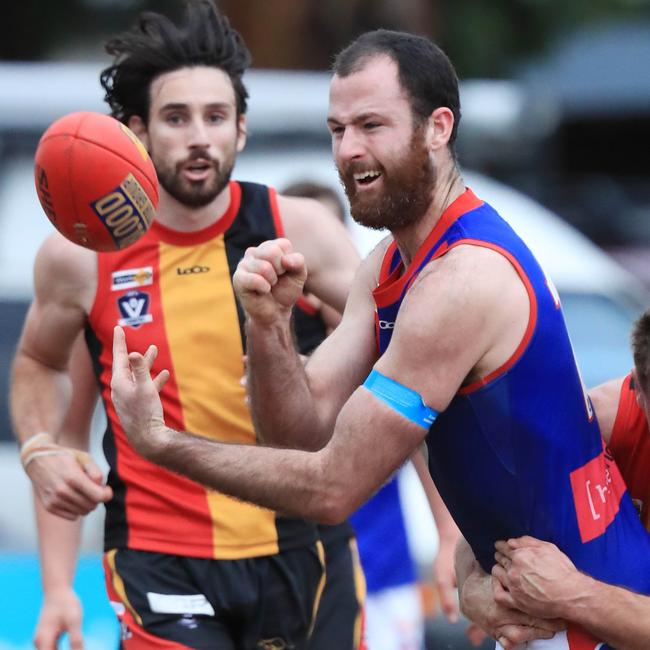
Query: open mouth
(366, 178)
(197, 169)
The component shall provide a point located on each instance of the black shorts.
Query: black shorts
(339, 618)
(169, 602)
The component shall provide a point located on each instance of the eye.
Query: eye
(215, 118)
(337, 130)
(369, 126)
(174, 119)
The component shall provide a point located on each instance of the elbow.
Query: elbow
(334, 507)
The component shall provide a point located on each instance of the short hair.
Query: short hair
(156, 45)
(313, 190)
(641, 349)
(425, 71)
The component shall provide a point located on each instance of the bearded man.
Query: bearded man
(452, 336)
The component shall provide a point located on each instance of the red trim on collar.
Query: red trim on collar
(193, 238)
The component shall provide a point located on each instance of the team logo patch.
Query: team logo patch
(134, 307)
(126, 212)
(131, 278)
(597, 491)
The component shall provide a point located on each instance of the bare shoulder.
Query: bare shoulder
(65, 269)
(604, 399)
(303, 217)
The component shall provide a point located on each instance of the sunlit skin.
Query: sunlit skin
(193, 135)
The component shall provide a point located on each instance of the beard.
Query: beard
(405, 196)
(194, 194)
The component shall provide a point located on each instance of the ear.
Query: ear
(242, 132)
(439, 128)
(137, 125)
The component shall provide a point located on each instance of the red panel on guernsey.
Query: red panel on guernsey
(142, 506)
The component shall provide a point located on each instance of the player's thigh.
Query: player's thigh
(339, 616)
(159, 607)
(292, 584)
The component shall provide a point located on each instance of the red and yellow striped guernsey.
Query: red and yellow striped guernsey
(174, 289)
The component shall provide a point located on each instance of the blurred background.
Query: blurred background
(555, 134)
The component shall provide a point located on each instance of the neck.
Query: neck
(449, 187)
(177, 216)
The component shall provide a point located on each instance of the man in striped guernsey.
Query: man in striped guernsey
(186, 566)
(452, 335)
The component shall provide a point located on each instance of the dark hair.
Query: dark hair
(312, 190)
(425, 71)
(156, 45)
(641, 349)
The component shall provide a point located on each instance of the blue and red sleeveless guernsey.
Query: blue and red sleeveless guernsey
(519, 452)
(174, 289)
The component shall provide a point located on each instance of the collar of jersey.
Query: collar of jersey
(182, 238)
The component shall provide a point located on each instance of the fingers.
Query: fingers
(499, 587)
(510, 636)
(448, 602)
(120, 355)
(161, 379)
(139, 367)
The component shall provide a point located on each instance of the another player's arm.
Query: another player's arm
(295, 405)
(604, 399)
(40, 390)
(59, 538)
(541, 580)
(371, 438)
(331, 257)
(448, 536)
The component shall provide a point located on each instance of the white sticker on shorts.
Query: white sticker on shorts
(179, 604)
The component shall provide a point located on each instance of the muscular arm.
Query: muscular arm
(542, 581)
(41, 390)
(464, 335)
(331, 257)
(59, 538)
(295, 405)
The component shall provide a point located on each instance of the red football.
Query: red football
(95, 181)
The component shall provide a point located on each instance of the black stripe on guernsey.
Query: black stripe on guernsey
(115, 524)
(253, 225)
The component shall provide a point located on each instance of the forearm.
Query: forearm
(291, 481)
(59, 541)
(283, 407)
(617, 616)
(464, 562)
(39, 397)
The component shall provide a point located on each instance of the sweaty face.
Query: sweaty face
(380, 150)
(408, 181)
(193, 133)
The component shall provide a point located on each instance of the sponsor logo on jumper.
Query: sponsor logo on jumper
(189, 270)
(274, 644)
(386, 325)
(125, 632)
(126, 211)
(131, 278)
(597, 490)
(134, 306)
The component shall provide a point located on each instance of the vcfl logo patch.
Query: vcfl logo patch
(597, 490)
(134, 306)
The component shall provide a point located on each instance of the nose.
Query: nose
(349, 146)
(198, 134)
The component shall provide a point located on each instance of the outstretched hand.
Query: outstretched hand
(269, 280)
(135, 396)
